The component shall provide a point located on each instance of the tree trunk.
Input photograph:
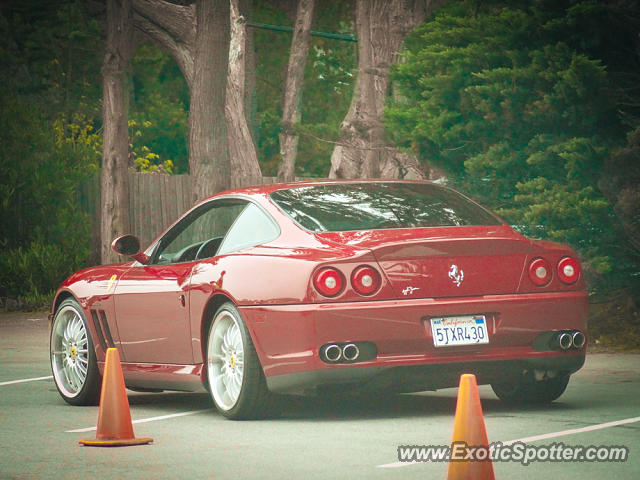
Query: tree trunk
(172, 28)
(209, 163)
(197, 37)
(114, 179)
(242, 151)
(250, 103)
(293, 89)
(363, 150)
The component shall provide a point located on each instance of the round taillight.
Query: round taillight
(365, 280)
(568, 270)
(328, 282)
(540, 272)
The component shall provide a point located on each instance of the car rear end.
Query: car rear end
(439, 291)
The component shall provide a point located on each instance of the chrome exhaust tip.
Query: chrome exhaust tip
(350, 352)
(564, 341)
(332, 353)
(578, 339)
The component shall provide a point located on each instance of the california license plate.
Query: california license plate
(463, 330)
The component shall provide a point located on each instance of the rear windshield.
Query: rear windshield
(369, 206)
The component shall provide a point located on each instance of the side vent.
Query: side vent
(102, 329)
(96, 324)
(105, 328)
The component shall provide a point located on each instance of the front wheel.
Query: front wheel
(73, 360)
(234, 374)
(526, 389)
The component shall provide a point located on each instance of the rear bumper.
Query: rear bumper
(288, 339)
(421, 377)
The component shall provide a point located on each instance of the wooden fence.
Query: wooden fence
(155, 202)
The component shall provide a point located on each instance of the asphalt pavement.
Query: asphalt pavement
(314, 438)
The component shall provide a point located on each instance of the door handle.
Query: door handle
(182, 300)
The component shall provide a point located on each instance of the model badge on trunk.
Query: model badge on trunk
(409, 290)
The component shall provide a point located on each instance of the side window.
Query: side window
(200, 233)
(251, 228)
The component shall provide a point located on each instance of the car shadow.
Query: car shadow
(378, 405)
(423, 405)
(168, 400)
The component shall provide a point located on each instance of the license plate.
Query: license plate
(464, 330)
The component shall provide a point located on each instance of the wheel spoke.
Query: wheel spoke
(239, 379)
(66, 333)
(218, 382)
(233, 388)
(227, 342)
(218, 334)
(216, 358)
(74, 328)
(82, 370)
(76, 376)
(237, 338)
(67, 374)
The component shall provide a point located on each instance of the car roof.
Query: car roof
(267, 189)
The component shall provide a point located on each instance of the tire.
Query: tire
(528, 390)
(73, 358)
(234, 375)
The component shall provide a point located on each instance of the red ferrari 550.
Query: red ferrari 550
(294, 288)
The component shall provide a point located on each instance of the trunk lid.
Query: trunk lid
(445, 262)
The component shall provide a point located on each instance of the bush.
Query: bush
(44, 233)
(31, 274)
(518, 116)
(614, 321)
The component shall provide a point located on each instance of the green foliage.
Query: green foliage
(35, 271)
(79, 137)
(327, 88)
(51, 138)
(158, 115)
(45, 234)
(159, 97)
(144, 160)
(272, 55)
(49, 141)
(327, 92)
(49, 54)
(505, 103)
(614, 321)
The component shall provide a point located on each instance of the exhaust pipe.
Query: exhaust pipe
(578, 339)
(332, 353)
(350, 352)
(563, 340)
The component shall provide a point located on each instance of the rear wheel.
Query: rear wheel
(73, 359)
(234, 374)
(527, 390)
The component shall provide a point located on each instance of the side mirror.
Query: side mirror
(129, 245)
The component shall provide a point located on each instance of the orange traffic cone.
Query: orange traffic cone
(469, 428)
(114, 419)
